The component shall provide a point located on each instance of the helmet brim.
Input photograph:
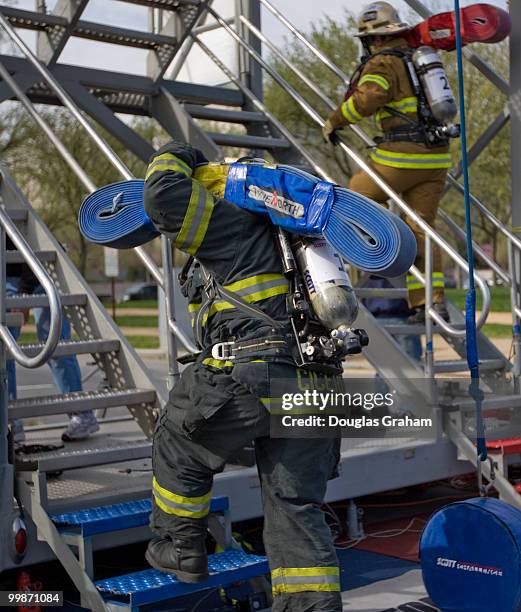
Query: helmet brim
(385, 30)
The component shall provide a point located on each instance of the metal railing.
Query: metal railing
(410, 213)
(114, 159)
(8, 227)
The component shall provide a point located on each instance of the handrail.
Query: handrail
(50, 289)
(260, 105)
(427, 229)
(100, 142)
(368, 141)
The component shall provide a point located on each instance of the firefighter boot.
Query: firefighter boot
(187, 559)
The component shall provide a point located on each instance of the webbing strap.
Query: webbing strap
(470, 303)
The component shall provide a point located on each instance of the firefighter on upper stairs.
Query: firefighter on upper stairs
(408, 93)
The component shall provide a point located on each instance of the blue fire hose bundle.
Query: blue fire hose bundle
(367, 235)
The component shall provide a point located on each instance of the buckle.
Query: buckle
(222, 351)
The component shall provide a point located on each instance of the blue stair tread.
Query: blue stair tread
(103, 519)
(149, 586)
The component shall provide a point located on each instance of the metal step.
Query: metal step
(393, 293)
(116, 517)
(224, 114)
(75, 347)
(78, 401)
(40, 301)
(491, 402)
(152, 586)
(65, 459)
(460, 365)
(44, 256)
(245, 141)
(33, 20)
(415, 330)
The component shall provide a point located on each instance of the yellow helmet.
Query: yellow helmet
(380, 18)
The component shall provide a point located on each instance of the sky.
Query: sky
(302, 13)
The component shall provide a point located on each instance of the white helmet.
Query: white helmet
(380, 18)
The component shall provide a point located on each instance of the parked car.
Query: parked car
(143, 291)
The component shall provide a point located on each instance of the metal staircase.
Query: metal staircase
(179, 108)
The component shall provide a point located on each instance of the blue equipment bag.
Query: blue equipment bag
(471, 557)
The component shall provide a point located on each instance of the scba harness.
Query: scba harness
(428, 130)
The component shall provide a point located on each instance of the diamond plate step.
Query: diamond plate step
(116, 517)
(460, 365)
(40, 301)
(66, 459)
(75, 347)
(151, 586)
(77, 402)
(245, 141)
(16, 257)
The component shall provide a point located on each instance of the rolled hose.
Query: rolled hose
(366, 234)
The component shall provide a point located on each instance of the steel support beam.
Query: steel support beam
(118, 82)
(180, 125)
(515, 112)
(52, 41)
(178, 26)
(108, 120)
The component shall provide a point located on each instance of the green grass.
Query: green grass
(137, 321)
(495, 330)
(138, 342)
(131, 304)
(500, 298)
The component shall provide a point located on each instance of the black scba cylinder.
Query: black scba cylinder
(471, 557)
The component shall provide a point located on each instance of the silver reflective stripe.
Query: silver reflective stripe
(196, 221)
(186, 507)
(305, 580)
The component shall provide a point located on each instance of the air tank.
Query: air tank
(327, 284)
(435, 83)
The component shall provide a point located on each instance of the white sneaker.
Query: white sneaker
(80, 427)
(17, 429)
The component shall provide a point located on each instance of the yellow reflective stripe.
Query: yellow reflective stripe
(167, 161)
(179, 505)
(349, 111)
(194, 306)
(300, 588)
(254, 280)
(213, 177)
(300, 579)
(305, 571)
(217, 363)
(181, 499)
(426, 161)
(375, 78)
(405, 105)
(196, 220)
(414, 286)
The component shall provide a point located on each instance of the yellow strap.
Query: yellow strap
(217, 363)
(213, 177)
(349, 111)
(377, 79)
(422, 161)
